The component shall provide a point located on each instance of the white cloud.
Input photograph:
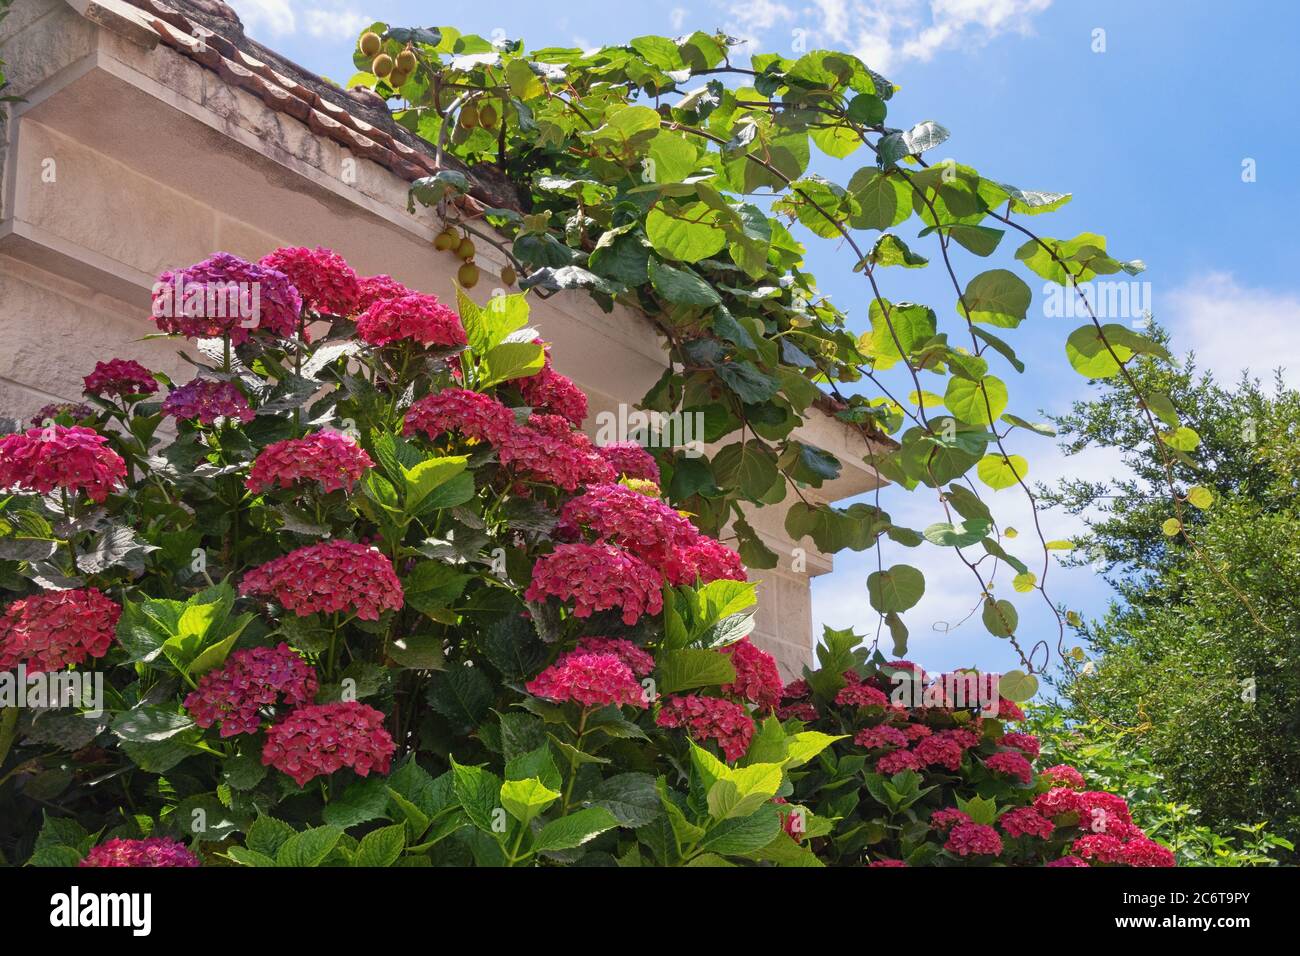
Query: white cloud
(884, 33)
(333, 21)
(1233, 327)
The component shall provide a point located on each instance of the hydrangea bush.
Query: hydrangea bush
(362, 593)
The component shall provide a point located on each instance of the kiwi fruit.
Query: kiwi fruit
(487, 116)
(466, 248)
(370, 44)
(508, 275)
(381, 65)
(467, 275)
(406, 61)
(469, 116)
(445, 240)
(397, 78)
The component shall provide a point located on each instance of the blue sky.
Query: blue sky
(1149, 136)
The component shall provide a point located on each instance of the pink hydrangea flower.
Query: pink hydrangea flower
(651, 529)
(796, 689)
(973, 839)
(916, 732)
(896, 762)
(1067, 861)
(1097, 809)
(53, 629)
(333, 460)
(861, 695)
(804, 710)
(120, 377)
(327, 577)
(551, 393)
(207, 401)
(1026, 821)
(1008, 711)
(757, 678)
(1057, 803)
(225, 295)
(1012, 764)
(1026, 743)
(945, 748)
(705, 560)
(318, 739)
(1146, 852)
(710, 718)
(634, 657)
(234, 694)
(630, 460)
(471, 414)
(416, 317)
(1100, 848)
(155, 851)
(323, 279)
(1063, 775)
(597, 577)
(592, 680)
(886, 861)
(881, 737)
(946, 817)
(549, 450)
(372, 289)
(70, 458)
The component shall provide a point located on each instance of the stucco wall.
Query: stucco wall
(129, 158)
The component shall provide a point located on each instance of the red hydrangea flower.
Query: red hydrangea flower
(1099, 811)
(1067, 861)
(72, 458)
(472, 414)
(415, 317)
(155, 851)
(945, 748)
(225, 295)
(374, 288)
(54, 629)
(1012, 764)
(74, 410)
(120, 377)
(649, 528)
(1057, 802)
(974, 839)
(1100, 847)
(1007, 710)
(1063, 775)
(861, 695)
(597, 577)
(885, 861)
(1027, 743)
(796, 689)
(803, 710)
(251, 679)
(334, 460)
(592, 680)
(757, 678)
(634, 657)
(792, 819)
(551, 393)
(1146, 852)
(705, 560)
(946, 817)
(878, 738)
(1026, 821)
(630, 460)
(324, 280)
(318, 739)
(549, 450)
(897, 762)
(207, 401)
(710, 718)
(916, 732)
(327, 577)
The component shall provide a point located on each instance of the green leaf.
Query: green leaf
(680, 286)
(1000, 472)
(309, 848)
(1000, 617)
(1017, 686)
(574, 829)
(462, 694)
(1181, 438)
(1200, 497)
(961, 535)
(889, 250)
(479, 794)
(432, 586)
(267, 835)
(1092, 355)
(743, 835)
(381, 847)
(525, 799)
(977, 403)
(421, 480)
(631, 798)
(511, 360)
(689, 234)
(997, 297)
(692, 667)
(896, 589)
